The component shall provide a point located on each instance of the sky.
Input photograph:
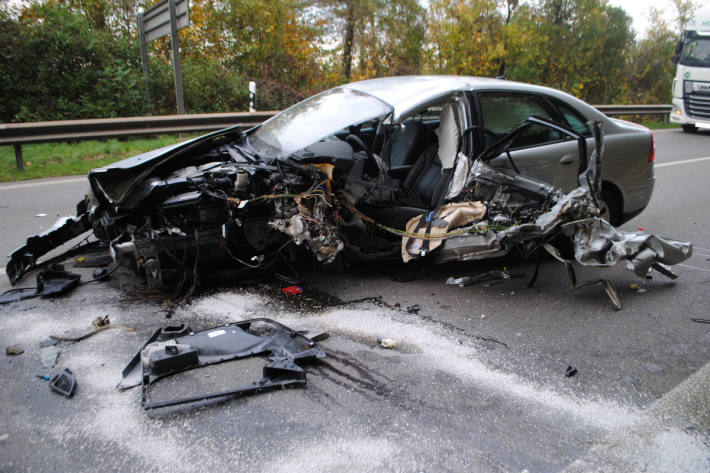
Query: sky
(638, 11)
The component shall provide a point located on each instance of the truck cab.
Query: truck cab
(691, 86)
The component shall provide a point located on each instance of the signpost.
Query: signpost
(252, 96)
(162, 19)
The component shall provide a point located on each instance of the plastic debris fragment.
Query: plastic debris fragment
(63, 382)
(14, 350)
(292, 290)
(49, 356)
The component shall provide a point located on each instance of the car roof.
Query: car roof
(409, 94)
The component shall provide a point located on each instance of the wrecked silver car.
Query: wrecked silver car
(387, 168)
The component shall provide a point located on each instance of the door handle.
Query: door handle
(568, 159)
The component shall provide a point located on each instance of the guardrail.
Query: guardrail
(18, 134)
(634, 109)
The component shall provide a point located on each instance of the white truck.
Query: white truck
(691, 86)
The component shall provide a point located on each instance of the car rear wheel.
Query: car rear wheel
(689, 128)
(610, 206)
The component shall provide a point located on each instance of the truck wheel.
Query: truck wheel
(689, 128)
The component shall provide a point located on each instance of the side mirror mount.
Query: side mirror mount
(678, 51)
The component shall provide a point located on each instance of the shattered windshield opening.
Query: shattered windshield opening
(315, 118)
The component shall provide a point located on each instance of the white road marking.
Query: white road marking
(683, 161)
(43, 183)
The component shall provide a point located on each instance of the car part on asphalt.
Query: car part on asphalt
(494, 276)
(55, 281)
(414, 309)
(101, 321)
(386, 342)
(24, 259)
(292, 290)
(101, 273)
(131, 374)
(91, 334)
(363, 179)
(14, 350)
(285, 350)
(570, 371)
(49, 356)
(48, 342)
(63, 382)
(319, 337)
(52, 281)
(96, 261)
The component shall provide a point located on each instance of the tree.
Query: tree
(685, 9)
(650, 68)
(63, 67)
(467, 36)
(584, 48)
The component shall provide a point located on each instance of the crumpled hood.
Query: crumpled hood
(114, 182)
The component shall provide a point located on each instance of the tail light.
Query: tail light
(652, 152)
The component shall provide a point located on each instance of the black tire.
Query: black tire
(689, 128)
(610, 206)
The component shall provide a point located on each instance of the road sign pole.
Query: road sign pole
(252, 96)
(176, 58)
(144, 58)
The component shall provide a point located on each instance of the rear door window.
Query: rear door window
(574, 119)
(503, 112)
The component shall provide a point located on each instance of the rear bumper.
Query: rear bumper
(636, 199)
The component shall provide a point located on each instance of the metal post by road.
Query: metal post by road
(252, 96)
(176, 58)
(18, 157)
(144, 58)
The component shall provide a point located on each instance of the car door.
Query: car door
(540, 152)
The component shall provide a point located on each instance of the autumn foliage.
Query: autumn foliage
(64, 59)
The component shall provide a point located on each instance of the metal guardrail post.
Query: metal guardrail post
(18, 157)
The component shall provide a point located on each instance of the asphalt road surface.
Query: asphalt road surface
(476, 381)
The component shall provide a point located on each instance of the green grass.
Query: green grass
(649, 121)
(656, 125)
(67, 159)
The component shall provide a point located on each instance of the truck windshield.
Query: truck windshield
(696, 52)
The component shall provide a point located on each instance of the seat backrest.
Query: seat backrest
(406, 143)
(426, 179)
